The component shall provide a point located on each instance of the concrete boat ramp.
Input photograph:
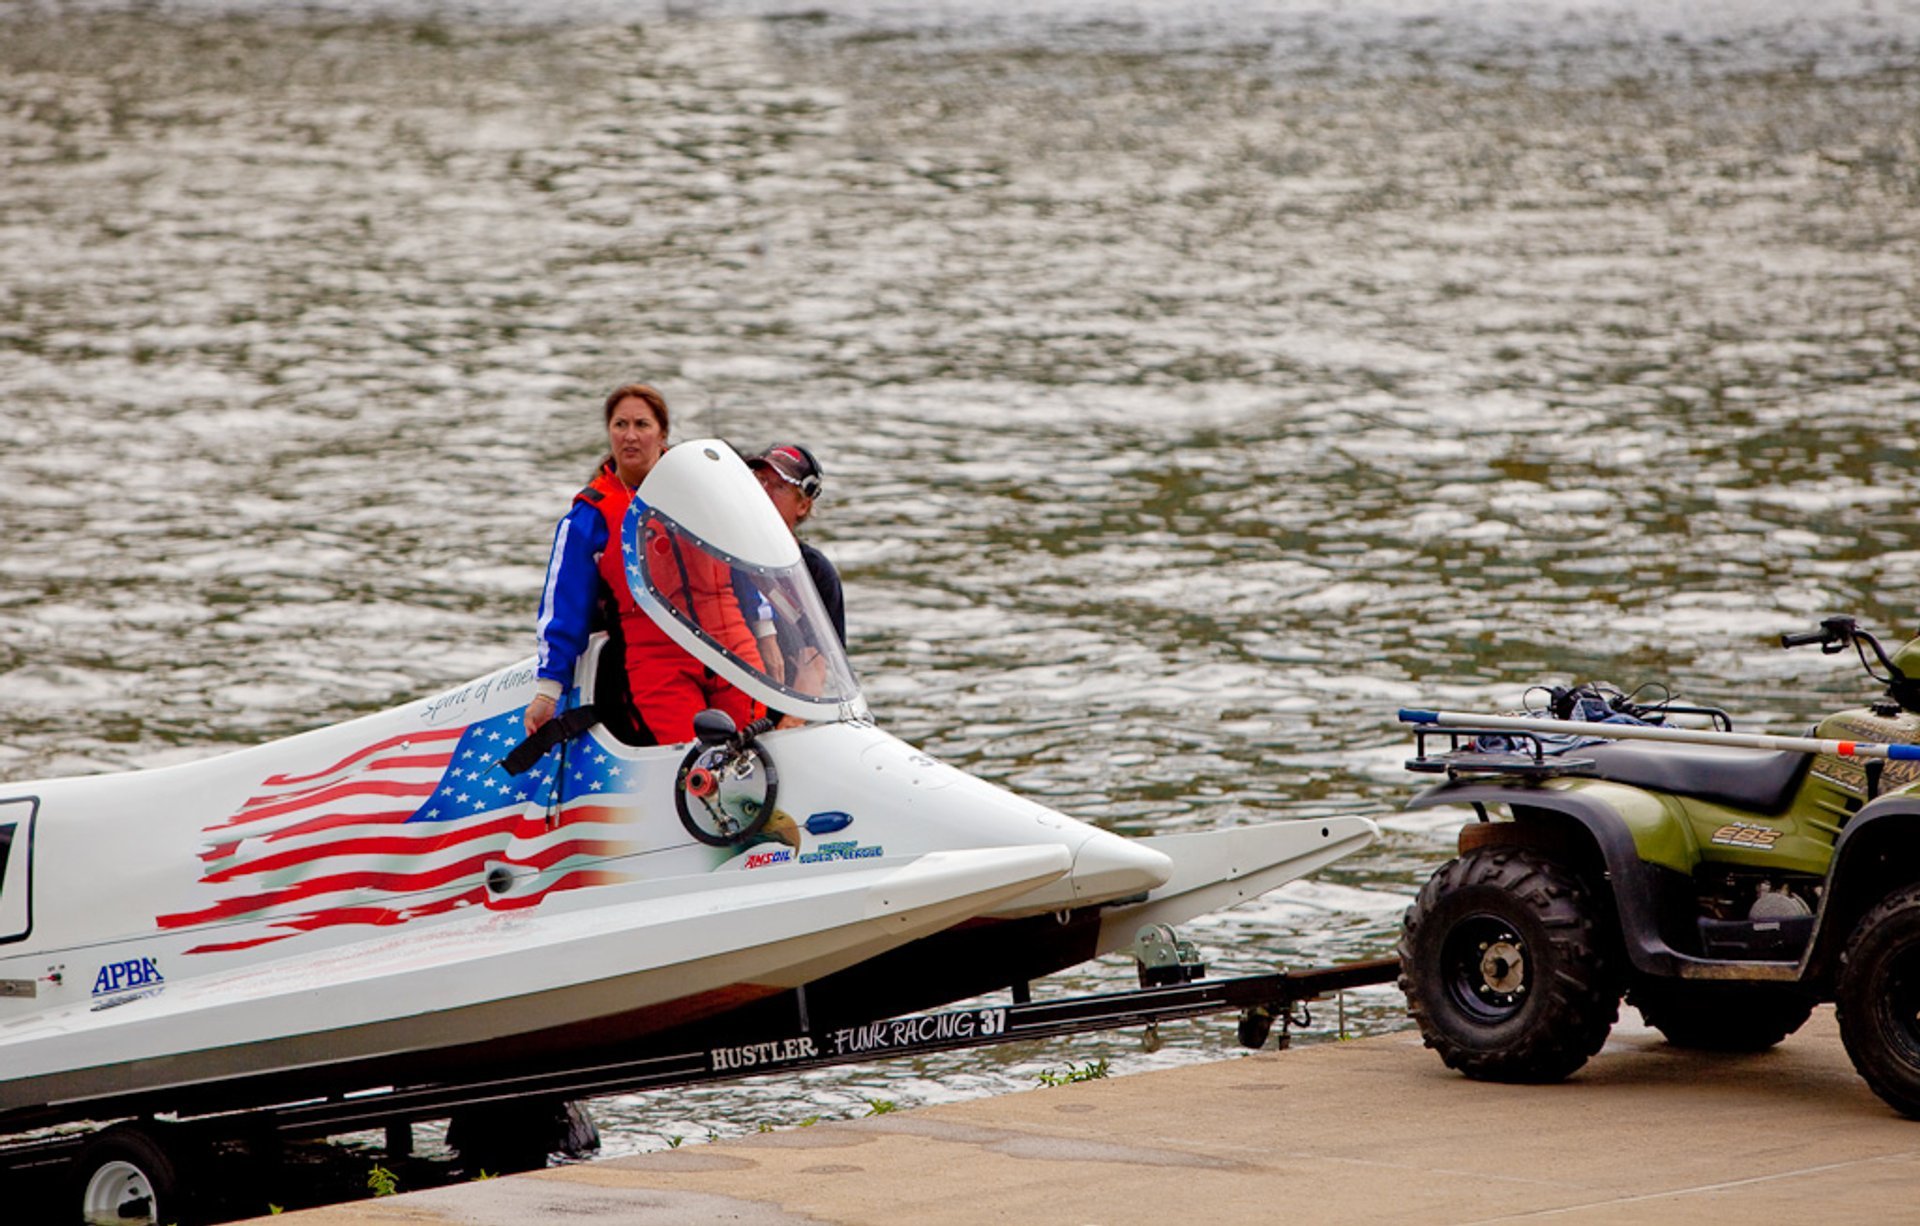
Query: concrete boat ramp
(1370, 1131)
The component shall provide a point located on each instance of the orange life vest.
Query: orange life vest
(609, 495)
(697, 584)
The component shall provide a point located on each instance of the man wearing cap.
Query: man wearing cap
(791, 477)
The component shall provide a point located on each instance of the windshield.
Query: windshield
(762, 627)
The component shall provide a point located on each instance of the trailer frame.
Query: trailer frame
(1168, 993)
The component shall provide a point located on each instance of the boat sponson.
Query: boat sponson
(1215, 869)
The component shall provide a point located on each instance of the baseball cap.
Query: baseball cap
(793, 464)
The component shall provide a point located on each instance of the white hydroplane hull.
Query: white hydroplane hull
(383, 901)
(403, 997)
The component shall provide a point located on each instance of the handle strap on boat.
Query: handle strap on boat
(562, 727)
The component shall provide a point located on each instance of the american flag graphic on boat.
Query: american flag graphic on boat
(408, 826)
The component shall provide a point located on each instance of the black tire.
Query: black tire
(519, 1136)
(1721, 1016)
(126, 1175)
(1878, 1000)
(1504, 969)
(579, 1136)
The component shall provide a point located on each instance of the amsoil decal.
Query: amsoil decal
(1745, 834)
(760, 859)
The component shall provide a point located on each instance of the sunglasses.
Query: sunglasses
(808, 485)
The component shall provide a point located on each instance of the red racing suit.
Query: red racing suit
(669, 685)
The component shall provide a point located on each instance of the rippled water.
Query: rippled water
(1196, 384)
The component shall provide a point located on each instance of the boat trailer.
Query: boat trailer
(1173, 988)
(1262, 1000)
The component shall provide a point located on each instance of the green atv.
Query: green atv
(1723, 882)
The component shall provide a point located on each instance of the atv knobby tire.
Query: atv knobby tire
(1504, 969)
(1878, 1000)
(1721, 1016)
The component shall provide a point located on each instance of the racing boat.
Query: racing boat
(425, 893)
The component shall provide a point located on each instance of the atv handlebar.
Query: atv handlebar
(1834, 635)
(1803, 640)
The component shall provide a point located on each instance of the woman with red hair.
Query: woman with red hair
(587, 573)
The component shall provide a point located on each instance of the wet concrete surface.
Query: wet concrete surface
(1375, 1130)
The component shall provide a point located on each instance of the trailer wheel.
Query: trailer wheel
(125, 1175)
(1503, 968)
(1721, 1016)
(1256, 1023)
(1878, 1000)
(518, 1136)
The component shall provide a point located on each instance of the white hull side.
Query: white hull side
(505, 976)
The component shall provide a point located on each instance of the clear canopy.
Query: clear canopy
(760, 625)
